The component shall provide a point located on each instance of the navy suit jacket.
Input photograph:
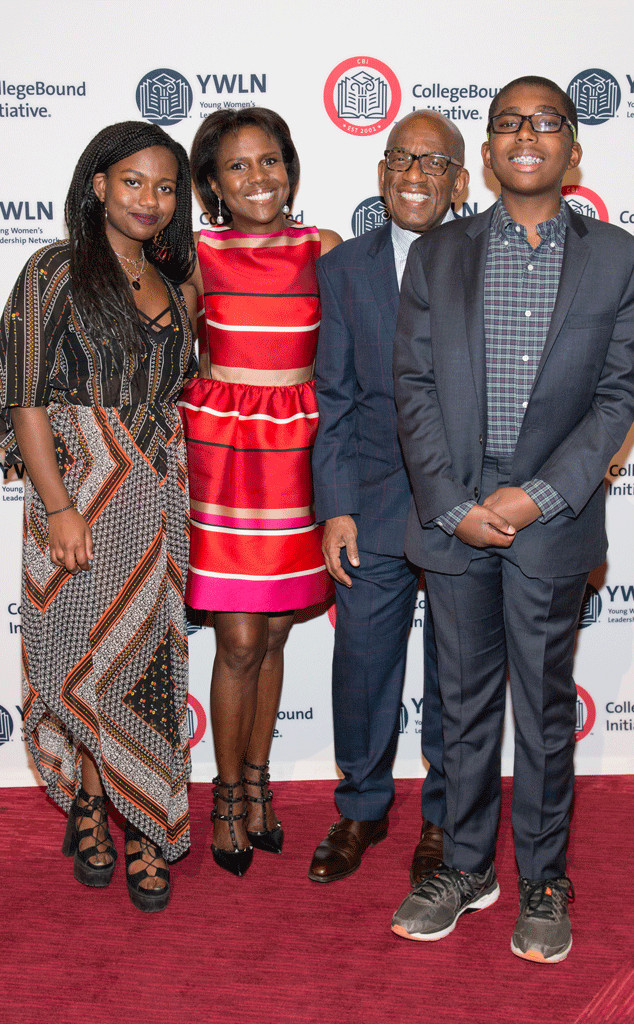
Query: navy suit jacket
(357, 461)
(580, 408)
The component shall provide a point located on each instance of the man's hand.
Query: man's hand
(340, 532)
(483, 528)
(515, 505)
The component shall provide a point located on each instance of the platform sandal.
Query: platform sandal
(84, 869)
(236, 861)
(148, 900)
(270, 840)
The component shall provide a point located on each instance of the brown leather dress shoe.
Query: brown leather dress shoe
(428, 853)
(340, 853)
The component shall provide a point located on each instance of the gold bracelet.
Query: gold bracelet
(65, 509)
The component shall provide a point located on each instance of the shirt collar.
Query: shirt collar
(402, 238)
(553, 230)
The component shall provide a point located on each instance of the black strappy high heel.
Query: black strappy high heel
(236, 861)
(148, 900)
(270, 840)
(84, 868)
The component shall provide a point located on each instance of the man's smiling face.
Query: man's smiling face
(418, 201)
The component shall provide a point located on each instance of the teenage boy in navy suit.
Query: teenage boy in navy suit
(514, 380)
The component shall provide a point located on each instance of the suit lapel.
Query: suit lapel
(382, 276)
(473, 268)
(576, 254)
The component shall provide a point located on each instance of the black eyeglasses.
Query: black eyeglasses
(508, 124)
(429, 163)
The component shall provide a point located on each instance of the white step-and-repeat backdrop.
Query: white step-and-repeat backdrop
(340, 72)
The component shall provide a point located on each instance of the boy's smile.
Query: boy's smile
(528, 162)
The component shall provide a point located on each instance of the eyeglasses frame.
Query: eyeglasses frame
(419, 157)
(529, 118)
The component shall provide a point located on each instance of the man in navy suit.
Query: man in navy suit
(514, 379)
(362, 495)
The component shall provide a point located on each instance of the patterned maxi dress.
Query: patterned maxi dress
(105, 651)
(255, 546)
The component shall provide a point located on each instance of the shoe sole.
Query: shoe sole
(92, 877)
(149, 904)
(536, 957)
(484, 901)
(87, 874)
(348, 871)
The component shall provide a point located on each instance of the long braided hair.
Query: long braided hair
(100, 289)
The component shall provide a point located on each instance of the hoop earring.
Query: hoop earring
(220, 219)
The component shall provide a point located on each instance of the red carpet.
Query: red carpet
(274, 948)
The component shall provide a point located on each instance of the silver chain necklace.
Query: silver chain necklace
(135, 274)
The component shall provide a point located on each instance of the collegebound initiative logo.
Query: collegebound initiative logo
(370, 214)
(586, 713)
(164, 96)
(596, 94)
(362, 96)
(584, 200)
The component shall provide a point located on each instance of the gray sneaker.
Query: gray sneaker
(433, 907)
(542, 930)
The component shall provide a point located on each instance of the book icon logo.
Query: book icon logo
(585, 201)
(362, 96)
(591, 608)
(164, 96)
(596, 94)
(369, 214)
(6, 726)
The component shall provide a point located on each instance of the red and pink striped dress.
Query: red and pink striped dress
(255, 546)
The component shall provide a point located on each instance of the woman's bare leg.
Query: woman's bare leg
(241, 646)
(269, 690)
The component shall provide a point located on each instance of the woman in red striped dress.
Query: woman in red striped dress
(250, 423)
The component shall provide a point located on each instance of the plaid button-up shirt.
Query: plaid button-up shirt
(520, 288)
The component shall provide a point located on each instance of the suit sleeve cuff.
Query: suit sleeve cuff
(549, 501)
(450, 520)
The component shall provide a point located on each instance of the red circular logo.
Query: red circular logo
(586, 713)
(362, 96)
(200, 720)
(585, 201)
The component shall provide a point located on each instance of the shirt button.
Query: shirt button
(524, 405)
(530, 266)
(524, 359)
(527, 313)
(506, 241)
(552, 245)
(518, 228)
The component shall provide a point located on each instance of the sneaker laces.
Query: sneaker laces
(434, 888)
(548, 899)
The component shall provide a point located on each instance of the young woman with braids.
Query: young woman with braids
(95, 343)
(250, 420)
